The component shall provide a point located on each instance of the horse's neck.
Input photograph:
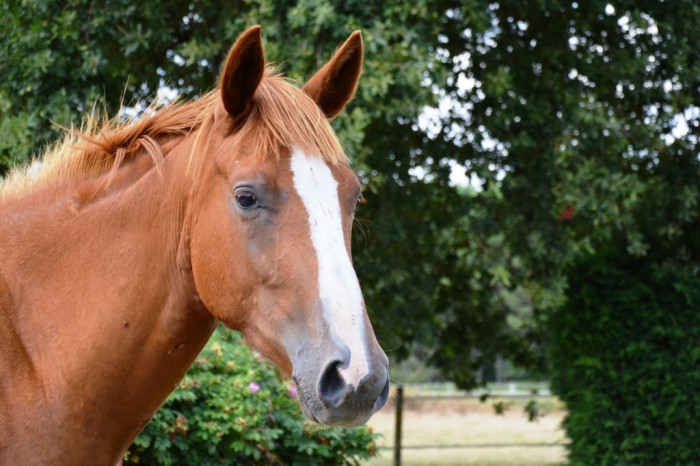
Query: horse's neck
(99, 313)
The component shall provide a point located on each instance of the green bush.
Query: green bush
(232, 408)
(626, 361)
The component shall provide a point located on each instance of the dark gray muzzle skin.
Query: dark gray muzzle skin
(326, 398)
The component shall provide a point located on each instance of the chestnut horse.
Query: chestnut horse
(134, 239)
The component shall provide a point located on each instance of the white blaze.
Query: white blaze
(338, 286)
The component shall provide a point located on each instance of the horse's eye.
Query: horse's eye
(246, 199)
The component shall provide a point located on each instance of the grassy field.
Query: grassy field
(467, 421)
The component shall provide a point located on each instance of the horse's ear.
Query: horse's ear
(334, 84)
(242, 73)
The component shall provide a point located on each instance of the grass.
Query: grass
(469, 422)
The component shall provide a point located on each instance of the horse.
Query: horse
(136, 238)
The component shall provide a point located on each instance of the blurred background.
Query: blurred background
(529, 247)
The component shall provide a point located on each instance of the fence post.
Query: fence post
(397, 427)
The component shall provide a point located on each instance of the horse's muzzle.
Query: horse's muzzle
(333, 401)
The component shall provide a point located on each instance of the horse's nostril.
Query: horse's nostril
(331, 386)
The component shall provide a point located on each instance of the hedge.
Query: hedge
(626, 361)
(233, 408)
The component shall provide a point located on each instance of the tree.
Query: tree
(59, 58)
(583, 121)
(572, 128)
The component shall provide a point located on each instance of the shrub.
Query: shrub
(626, 361)
(232, 408)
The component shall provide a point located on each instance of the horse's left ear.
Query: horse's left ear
(242, 74)
(334, 84)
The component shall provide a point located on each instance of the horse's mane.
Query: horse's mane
(282, 116)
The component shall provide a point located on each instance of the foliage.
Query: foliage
(625, 353)
(565, 112)
(60, 57)
(232, 408)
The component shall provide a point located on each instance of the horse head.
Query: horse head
(270, 239)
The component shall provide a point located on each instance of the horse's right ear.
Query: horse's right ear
(242, 73)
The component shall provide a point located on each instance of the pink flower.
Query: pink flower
(254, 388)
(292, 391)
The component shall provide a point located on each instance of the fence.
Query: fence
(440, 393)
